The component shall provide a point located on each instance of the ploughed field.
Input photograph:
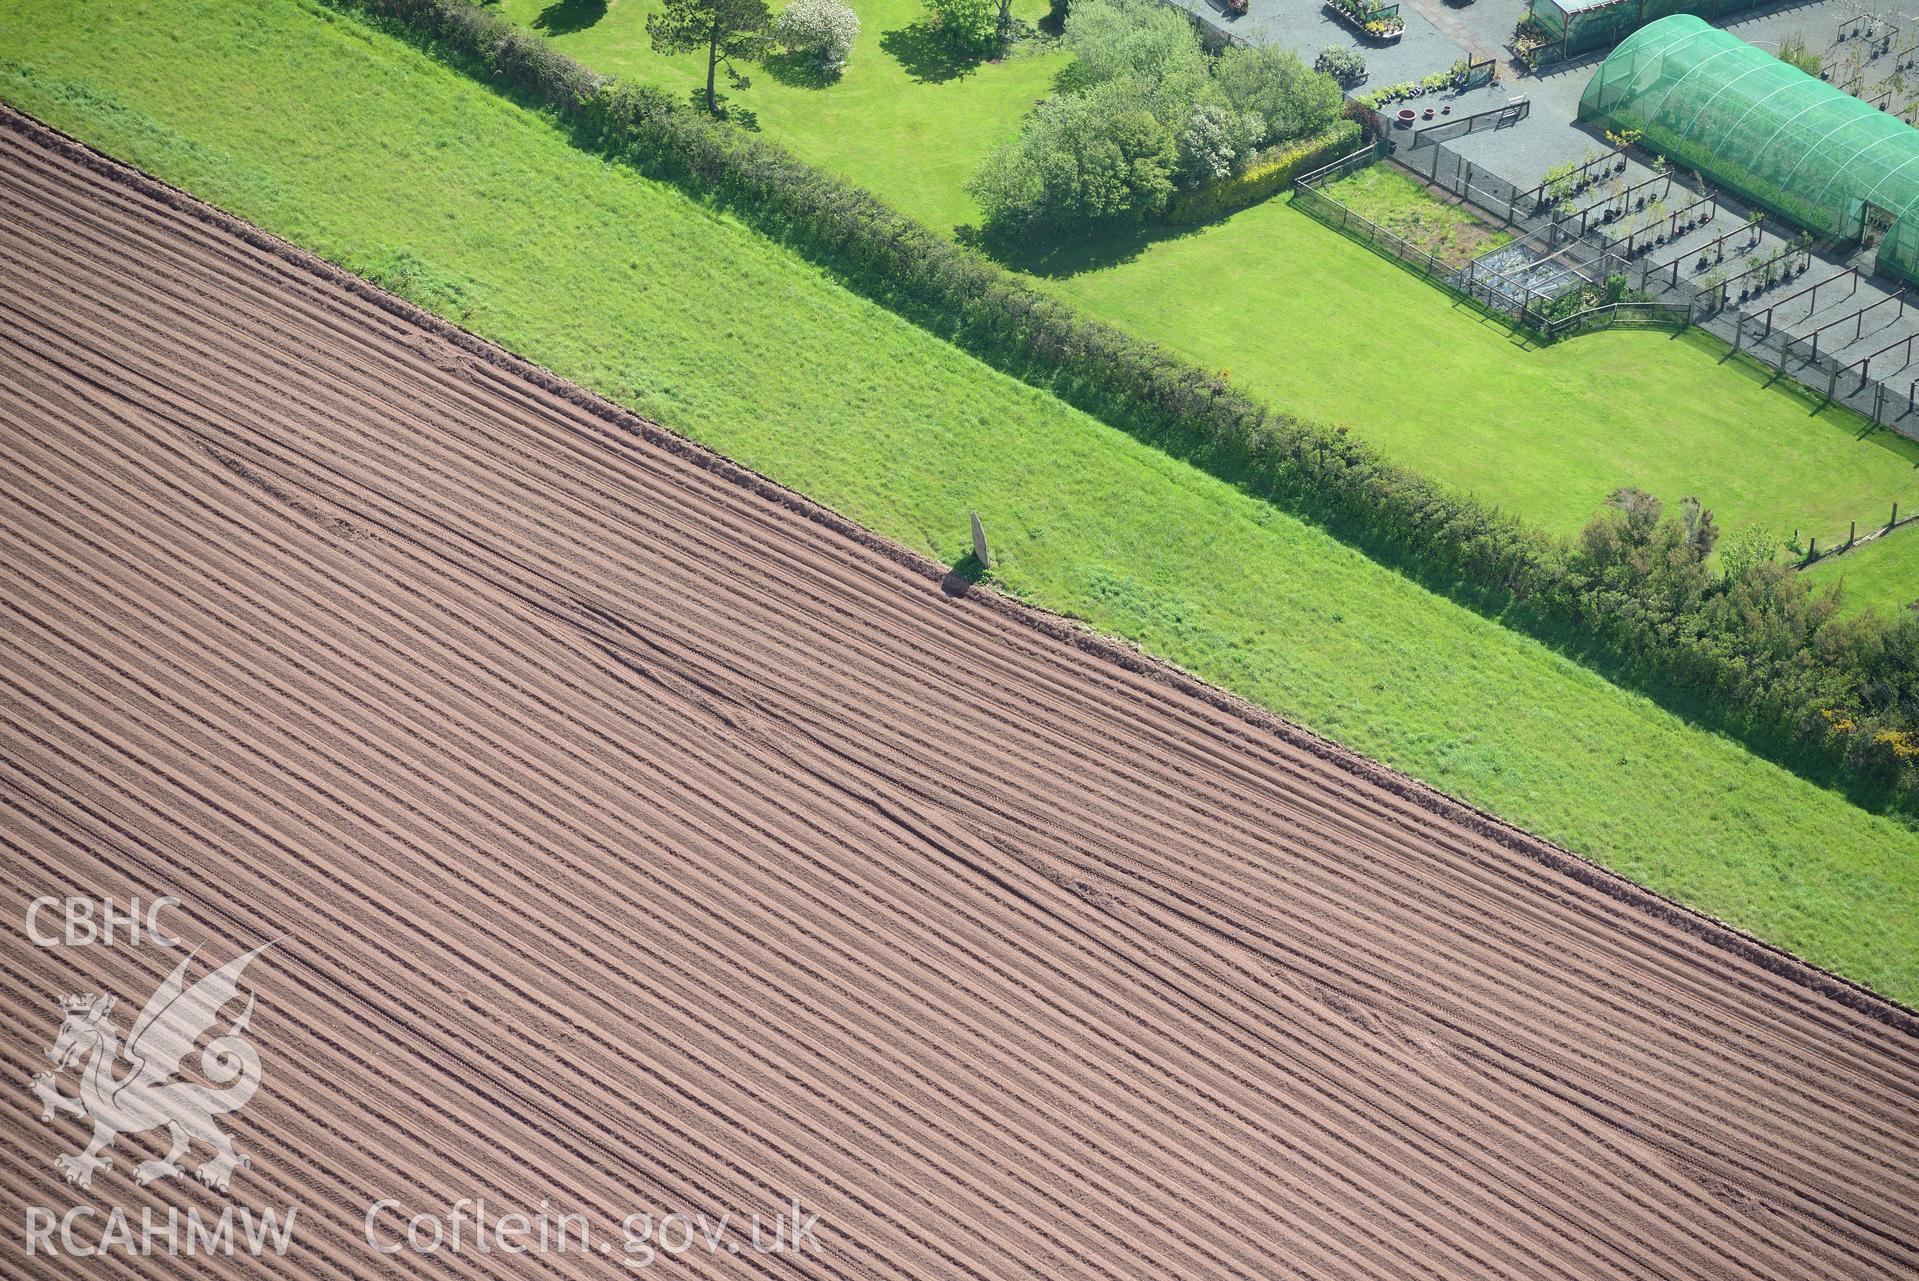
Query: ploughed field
(640, 837)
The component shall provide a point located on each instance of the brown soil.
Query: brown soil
(642, 838)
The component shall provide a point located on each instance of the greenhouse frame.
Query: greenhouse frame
(1583, 25)
(1790, 142)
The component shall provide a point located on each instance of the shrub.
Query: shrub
(1083, 160)
(1794, 50)
(1272, 172)
(1293, 99)
(1347, 66)
(1145, 42)
(970, 25)
(822, 31)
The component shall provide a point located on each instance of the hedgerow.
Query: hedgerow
(1759, 654)
(1272, 173)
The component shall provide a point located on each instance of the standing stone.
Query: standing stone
(979, 544)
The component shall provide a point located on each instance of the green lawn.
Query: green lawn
(352, 143)
(1321, 326)
(1387, 197)
(904, 120)
(1883, 574)
(1329, 329)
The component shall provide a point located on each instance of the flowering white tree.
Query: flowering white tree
(1216, 141)
(823, 30)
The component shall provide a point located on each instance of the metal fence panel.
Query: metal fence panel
(1584, 254)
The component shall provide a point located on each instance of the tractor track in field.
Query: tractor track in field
(646, 838)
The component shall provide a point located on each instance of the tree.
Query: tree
(1656, 559)
(971, 25)
(1291, 97)
(821, 30)
(1096, 158)
(731, 30)
(1216, 141)
(1143, 41)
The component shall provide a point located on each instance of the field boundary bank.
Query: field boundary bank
(1241, 715)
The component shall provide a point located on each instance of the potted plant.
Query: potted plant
(1342, 64)
(1360, 16)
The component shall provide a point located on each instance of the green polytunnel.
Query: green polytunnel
(1582, 25)
(1790, 142)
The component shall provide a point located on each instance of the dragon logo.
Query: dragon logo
(146, 1095)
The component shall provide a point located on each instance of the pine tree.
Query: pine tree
(731, 31)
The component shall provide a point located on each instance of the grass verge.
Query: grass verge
(351, 143)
